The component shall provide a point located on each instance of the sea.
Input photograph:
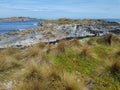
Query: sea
(6, 26)
(113, 20)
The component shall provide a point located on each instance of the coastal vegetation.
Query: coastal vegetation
(63, 21)
(86, 64)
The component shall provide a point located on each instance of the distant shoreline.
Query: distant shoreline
(20, 18)
(17, 19)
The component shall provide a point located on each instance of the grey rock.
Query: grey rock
(56, 33)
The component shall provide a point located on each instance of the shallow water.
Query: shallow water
(17, 25)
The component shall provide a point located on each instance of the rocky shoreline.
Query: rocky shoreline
(52, 32)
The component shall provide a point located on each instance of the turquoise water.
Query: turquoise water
(17, 25)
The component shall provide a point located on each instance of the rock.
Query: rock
(53, 33)
(117, 31)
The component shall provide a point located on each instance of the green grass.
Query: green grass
(68, 65)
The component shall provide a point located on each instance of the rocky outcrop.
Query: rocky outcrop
(77, 30)
(51, 33)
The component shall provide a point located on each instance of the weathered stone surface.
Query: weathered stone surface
(54, 32)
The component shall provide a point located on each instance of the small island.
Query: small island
(17, 19)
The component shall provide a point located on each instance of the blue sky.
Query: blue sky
(52, 9)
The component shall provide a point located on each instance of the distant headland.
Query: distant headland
(17, 19)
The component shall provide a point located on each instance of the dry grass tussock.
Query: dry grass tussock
(7, 62)
(109, 40)
(32, 52)
(114, 67)
(87, 52)
(75, 42)
(10, 51)
(35, 77)
(111, 67)
(41, 45)
(54, 67)
(61, 47)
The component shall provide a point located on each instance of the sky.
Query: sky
(52, 9)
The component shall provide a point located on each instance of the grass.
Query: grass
(62, 21)
(36, 78)
(30, 79)
(68, 65)
(41, 45)
(7, 63)
(61, 47)
(109, 40)
(113, 67)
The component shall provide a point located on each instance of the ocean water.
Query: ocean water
(17, 25)
(113, 20)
